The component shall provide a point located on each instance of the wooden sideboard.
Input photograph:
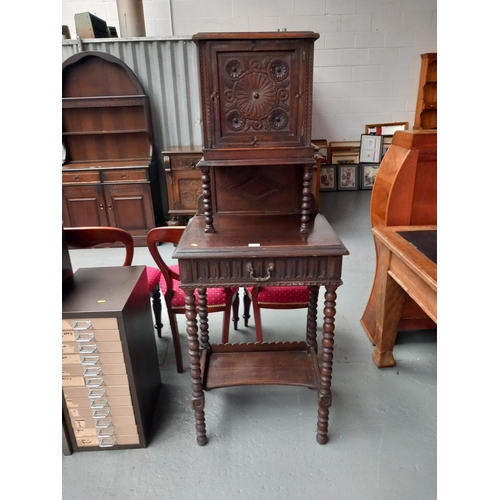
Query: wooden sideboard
(109, 172)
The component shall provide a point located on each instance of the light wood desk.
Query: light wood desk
(402, 268)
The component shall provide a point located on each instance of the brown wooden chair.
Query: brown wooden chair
(218, 299)
(272, 297)
(92, 236)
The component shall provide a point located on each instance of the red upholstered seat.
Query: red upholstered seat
(272, 297)
(283, 295)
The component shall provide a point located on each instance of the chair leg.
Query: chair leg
(155, 295)
(236, 307)
(256, 315)
(246, 307)
(175, 338)
(227, 315)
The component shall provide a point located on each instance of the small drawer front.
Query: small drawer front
(96, 392)
(87, 336)
(84, 324)
(90, 347)
(79, 370)
(111, 358)
(98, 403)
(112, 412)
(80, 177)
(94, 381)
(184, 162)
(107, 442)
(102, 422)
(125, 175)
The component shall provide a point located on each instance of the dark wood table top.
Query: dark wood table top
(258, 236)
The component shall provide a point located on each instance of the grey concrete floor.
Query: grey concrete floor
(261, 440)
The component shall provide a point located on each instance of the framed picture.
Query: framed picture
(385, 128)
(347, 177)
(349, 157)
(367, 174)
(328, 178)
(370, 150)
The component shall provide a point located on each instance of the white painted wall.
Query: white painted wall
(367, 59)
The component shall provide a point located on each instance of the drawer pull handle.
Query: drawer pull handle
(82, 325)
(98, 404)
(84, 337)
(94, 382)
(92, 371)
(103, 423)
(77, 178)
(89, 360)
(99, 393)
(100, 413)
(124, 176)
(107, 442)
(192, 164)
(87, 349)
(270, 268)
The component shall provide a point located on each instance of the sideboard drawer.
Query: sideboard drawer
(184, 162)
(80, 177)
(125, 175)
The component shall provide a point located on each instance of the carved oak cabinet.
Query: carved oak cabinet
(259, 223)
(109, 172)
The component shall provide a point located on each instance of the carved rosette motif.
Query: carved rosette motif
(257, 94)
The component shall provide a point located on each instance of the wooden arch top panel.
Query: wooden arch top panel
(93, 73)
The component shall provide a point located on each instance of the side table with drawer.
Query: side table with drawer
(184, 185)
(110, 372)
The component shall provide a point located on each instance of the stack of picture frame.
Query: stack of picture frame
(354, 165)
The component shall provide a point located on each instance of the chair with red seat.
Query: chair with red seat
(218, 299)
(272, 297)
(92, 236)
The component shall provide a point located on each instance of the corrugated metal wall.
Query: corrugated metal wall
(167, 68)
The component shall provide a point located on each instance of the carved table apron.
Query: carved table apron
(270, 251)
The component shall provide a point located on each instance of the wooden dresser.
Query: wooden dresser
(259, 223)
(110, 372)
(109, 173)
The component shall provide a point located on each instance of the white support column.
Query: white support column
(131, 18)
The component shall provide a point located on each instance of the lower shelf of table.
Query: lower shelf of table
(274, 363)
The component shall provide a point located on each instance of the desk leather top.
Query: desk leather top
(423, 241)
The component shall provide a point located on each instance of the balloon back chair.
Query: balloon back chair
(218, 299)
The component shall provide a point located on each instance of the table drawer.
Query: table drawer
(80, 177)
(125, 175)
(93, 371)
(261, 271)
